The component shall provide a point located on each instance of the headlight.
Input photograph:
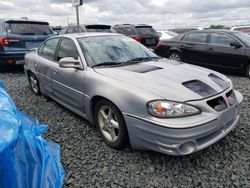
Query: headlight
(170, 109)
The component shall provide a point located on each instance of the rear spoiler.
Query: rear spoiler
(26, 22)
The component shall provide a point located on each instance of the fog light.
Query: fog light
(187, 148)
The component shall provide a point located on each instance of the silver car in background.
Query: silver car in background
(132, 95)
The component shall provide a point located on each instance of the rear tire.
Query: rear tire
(248, 71)
(176, 56)
(111, 125)
(34, 84)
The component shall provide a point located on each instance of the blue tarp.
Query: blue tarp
(27, 160)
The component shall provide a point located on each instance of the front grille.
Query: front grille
(218, 104)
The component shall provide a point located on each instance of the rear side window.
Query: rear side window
(48, 49)
(28, 28)
(67, 49)
(195, 37)
(126, 30)
(146, 31)
(221, 39)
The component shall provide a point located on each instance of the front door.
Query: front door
(225, 56)
(68, 83)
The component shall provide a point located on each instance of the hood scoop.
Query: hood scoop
(199, 87)
(141, 68)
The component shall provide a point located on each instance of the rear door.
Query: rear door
(26, 35)
(68, 83)
(45, 64)
(223, 55)
(148, 35)
(194, 48)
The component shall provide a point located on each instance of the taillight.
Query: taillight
(159, 43)
(6, 41)
(138, 39)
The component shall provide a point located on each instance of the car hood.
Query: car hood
(168, 79)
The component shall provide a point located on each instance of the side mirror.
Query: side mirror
(70, 62)
(236, 44)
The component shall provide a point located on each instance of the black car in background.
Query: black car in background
(86, 28)
(142, 33)
(216, 49)
(71, 29)
(99, 28)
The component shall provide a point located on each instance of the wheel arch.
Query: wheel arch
(171, 50)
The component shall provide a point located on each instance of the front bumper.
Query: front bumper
(147, 135)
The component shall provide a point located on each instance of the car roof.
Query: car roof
(89, 34)
(213, 30)
(131, 25)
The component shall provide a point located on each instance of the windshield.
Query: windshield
(244, 37)
(28, 28)
(113, 49)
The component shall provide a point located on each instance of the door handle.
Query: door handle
(55, 71)
(210, 49)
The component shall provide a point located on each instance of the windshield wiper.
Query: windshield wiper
(106, 63)
(140, 59)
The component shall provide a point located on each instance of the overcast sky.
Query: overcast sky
(159, 13)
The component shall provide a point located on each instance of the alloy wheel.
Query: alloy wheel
(175, 56)
(108, 123)
(34, 83)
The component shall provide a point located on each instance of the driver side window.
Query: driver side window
(67, 49)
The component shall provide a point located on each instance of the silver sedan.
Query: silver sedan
(133, 96)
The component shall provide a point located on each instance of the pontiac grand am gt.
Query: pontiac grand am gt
(132, 95)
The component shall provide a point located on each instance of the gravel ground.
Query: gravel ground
(88, 162)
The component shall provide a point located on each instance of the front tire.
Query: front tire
(248, 71)
(175, 56)
(34, 84)
(111, 124)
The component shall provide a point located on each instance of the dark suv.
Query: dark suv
(142, 33)
(17, 37)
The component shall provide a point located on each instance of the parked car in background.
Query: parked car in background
(217, 49)
(164, 35)
(243, 28)
(181, 30)
(56, 29)
(142, 33)
(132, 95)
(19, 36)
(99, 28)
(72, 29)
